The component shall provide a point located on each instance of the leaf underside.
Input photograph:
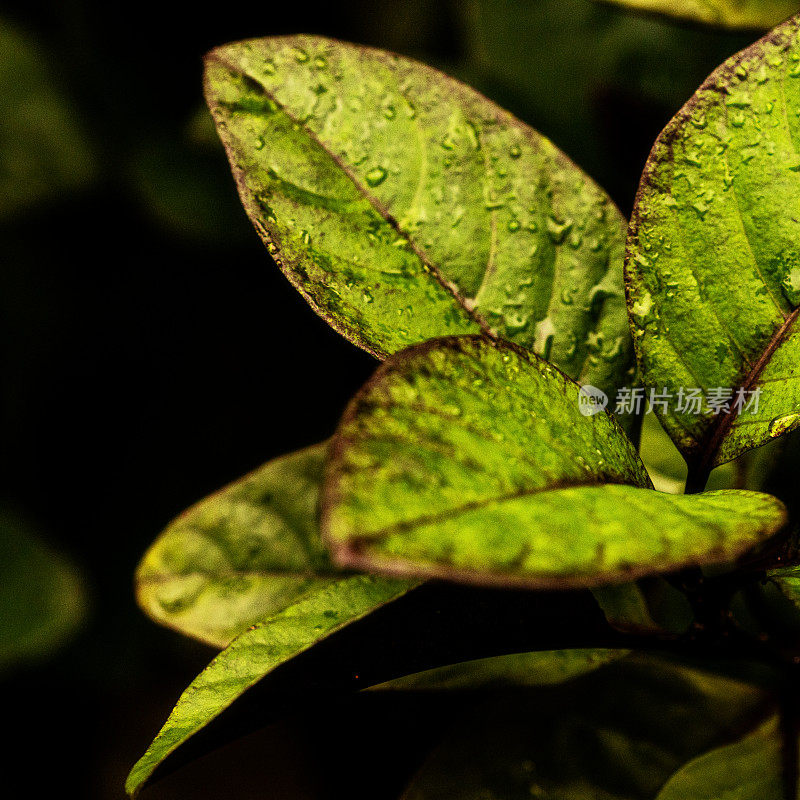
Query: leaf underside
(469, 460)
(404, 205)
(241, 554)
(713, 265)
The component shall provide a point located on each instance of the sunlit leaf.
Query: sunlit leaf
(468, 459)
(241, 554)
(404, 206)
(713, 264)
(257, 652)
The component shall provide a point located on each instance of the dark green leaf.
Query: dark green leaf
(617, 734)
(713, 264)
(241, 554)
(469, 459)
(257, 652)
(404, 206)
(520, 669)
(749, 769)
(721, 13)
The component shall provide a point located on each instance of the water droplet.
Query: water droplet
(376, 176)
(558, 230)
(269, 67)
(515, 151)
(301, 56)
(389, 112)
(259, 143)
(513, 225)
(320, 62)
(367, 296)
(544, 335)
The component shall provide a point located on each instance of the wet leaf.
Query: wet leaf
(43, 150)
(616, 734)
(713, 265)
(736, 14)
(259, 651)
(519, 669)
(469, 459)
(748, 769)
(42, 598)
(404, 206)
(241, 554)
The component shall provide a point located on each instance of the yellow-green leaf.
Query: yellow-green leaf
(403, 205)
(713, 265)
(469, 459)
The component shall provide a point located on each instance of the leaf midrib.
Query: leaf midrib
(384, 212)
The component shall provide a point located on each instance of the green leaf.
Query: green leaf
(616, 734)
(259, 651)
(43, 151)
(404, 205)
(713, 264)
(42, 599)
(647, 605)
(519, 669)
(241, 554)
(469, 459)
(735, 14)
(749, 769)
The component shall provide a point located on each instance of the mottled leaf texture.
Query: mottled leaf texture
(617, 734)
(544, 668)
(733, 14)
(403, 205)
(257, 652)
(748, 769)
(713, 264)
(787, 579)
(241, 554)
(469, 459)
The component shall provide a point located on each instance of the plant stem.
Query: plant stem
(697, 478)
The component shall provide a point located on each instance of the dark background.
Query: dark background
(151, 351)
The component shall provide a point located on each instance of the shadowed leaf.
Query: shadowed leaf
(617, 734)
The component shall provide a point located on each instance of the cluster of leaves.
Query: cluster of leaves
(485, 270)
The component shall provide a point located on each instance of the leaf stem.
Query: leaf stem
(697, 478)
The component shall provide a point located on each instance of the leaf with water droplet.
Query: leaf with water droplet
(243, 553)
(482, 200)
(260, 650)
(732, 14)
(518, 488)
(717, 309)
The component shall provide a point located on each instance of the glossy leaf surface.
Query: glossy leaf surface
(470, 460)
(713, 265)
(241, 554)
(404, 205)
(257, 652)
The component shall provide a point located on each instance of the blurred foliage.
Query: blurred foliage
(43, 149)
(42, 600)
(756, 14)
